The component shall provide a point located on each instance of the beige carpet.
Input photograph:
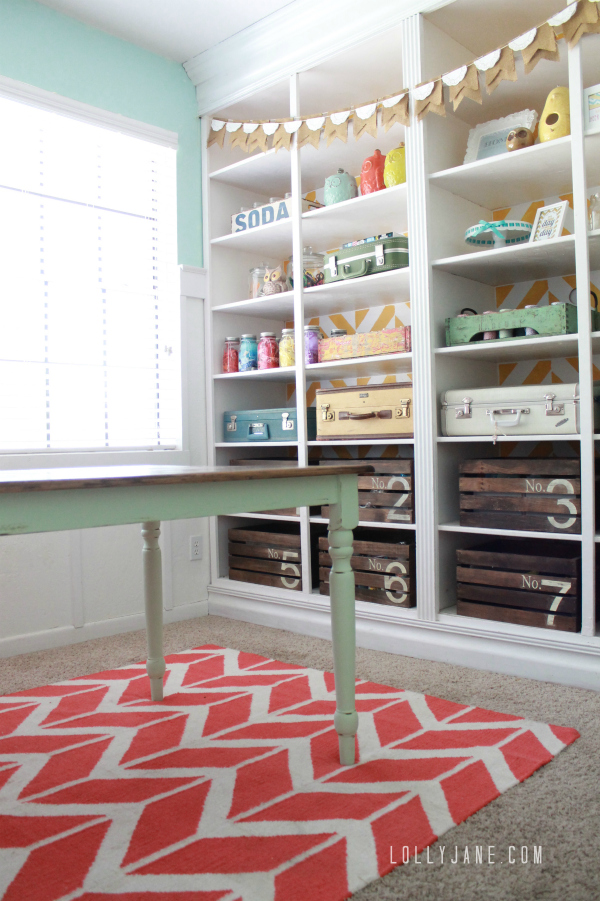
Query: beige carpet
(557, 808)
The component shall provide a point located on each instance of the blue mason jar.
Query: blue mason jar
(248, 353)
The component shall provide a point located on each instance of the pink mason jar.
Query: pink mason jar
(268, 351)
(231, 355)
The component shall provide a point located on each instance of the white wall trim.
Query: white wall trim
(573, 663)
(67, 635)
(286, 42)
(74, 109)
(193, 282)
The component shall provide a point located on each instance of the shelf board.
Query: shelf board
(518, 263)
(234, 444)
(376, 290)
(514, 533)
(501, 351)
(361, 442)
(273, 240)
(490, 438)
(352, 220)
(283, 374)
(266, 515)
(543, 170)
(383, 364)
(266, 173)
(373, 525)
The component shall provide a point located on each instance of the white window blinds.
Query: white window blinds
(89, 297)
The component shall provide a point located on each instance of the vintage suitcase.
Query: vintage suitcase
(385, 496)
(531, 582)
(370, 411)
(365, 259)
(264, 557)
(384, 568)
(519, 410)
(529, 494)
(555, 319)
(279, 424)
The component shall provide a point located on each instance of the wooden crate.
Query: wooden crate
(264, 557)
(385, 495)
(384, 569)
(531, 582)
(279, 462)
(527, 494)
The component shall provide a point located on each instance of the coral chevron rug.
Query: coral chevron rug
(230, 790)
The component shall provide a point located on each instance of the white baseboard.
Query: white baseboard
(66, 635)
(572, 661)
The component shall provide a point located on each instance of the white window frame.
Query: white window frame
(33, 96)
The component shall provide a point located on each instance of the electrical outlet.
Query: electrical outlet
(196, 547)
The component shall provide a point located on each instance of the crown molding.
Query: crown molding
(288, 41)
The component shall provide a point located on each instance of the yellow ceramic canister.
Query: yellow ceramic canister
(556, 118)
(394, 171)
(287, 348)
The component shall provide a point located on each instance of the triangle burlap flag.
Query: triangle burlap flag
(467, 89)
(333, 131)
(432, 102)
(257, 141)
(399, 112)
(239, 138)
(543, 46)
(306, 136)
(281, 139)
(586, 20)
(216, 136)
(504, 70)
(365, 126)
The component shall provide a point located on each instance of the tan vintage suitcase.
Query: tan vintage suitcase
(375, 411)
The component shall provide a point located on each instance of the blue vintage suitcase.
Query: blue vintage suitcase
(279, 424)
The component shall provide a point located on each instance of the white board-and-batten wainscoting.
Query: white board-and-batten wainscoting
(60, 588)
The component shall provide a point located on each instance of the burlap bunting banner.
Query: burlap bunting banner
(337, 127)
(257, 141)
(432, 102)
(396, 112)
(585, 20)
(282, 139)
(365, 121)
(504, 70)
(543, 46)
(216, 135)
(467, 89)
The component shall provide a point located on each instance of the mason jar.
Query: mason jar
(287, 348)
(268, 351)
(248, 359)
(231, 355)
(312, 267)
(311, 344)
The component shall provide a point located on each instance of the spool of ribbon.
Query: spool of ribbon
(498, 232)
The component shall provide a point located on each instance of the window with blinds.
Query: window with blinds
(89, 295)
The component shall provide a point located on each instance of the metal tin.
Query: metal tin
(287, 348)
(248, 353)
(338, 332)
(268, 351)
(231, 355)
(311, 344)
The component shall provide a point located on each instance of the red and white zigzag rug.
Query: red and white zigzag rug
(231, 789)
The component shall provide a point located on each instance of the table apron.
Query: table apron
(26, 511)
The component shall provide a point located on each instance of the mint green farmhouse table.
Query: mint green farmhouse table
(52, 500)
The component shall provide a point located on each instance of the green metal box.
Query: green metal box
(556, 319)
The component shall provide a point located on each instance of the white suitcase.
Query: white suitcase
(521, 410)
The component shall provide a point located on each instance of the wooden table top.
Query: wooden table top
(61, 478)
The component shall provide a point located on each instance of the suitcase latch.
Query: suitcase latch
(231, 426)
(465, 412)
(287, 424)
(331, 264)
(403, 411)
(379, 255)
(553, 409)
(326, 416)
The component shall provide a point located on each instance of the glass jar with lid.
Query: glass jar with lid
(248, 359)
(287, 348)
(268, 351)
(312, 333)
(231, 354)
(312, 266)
(594, 212)
(256, 280)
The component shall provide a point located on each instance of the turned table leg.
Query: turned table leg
(151, 559)
(343, 632)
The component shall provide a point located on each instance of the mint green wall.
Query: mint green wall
(52, 51)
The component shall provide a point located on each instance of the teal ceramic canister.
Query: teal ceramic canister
(338, 187)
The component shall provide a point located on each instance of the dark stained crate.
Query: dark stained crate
(531, 582)
(387, 495)
(383, 567)
(540, 495)
(266, 557)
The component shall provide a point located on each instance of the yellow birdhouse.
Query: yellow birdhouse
(556, 119)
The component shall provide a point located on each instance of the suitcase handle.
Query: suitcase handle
(380, 414)
(507, 423)
(363, 269)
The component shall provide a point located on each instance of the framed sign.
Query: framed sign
(489, 138)
(591, 108)
(548, 222)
